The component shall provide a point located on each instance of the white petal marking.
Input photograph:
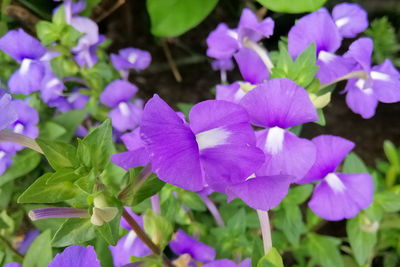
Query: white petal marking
(326, 57)
(274, 142)
(26, 63)
(212, 138)
(335, 183)
(342, 21)
(123, 107)
(376, 75)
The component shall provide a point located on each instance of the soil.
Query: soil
(129, 26)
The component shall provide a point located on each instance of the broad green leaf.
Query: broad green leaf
(60, 155)
(63, 175)
(271, 259)
(28, 158)
(324, 250)
(237, 223)
(39, 253)
(290, 6)
(362, 242)
(51, 130)
(298, 194)
(41, 192)
(192, 200)
(74, 231)
(354, 164)
(175, 17)
(158, 228)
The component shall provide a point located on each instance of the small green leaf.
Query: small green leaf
(324, 250)
(158, 228)
(51, 130)
(362, 242)
(74, 231)
(174, 17)
(60, 155)
(389, 201)
(290, 6)
(354, 164)
(151, 186)
(41, 192)
(391, 153)
(70, 36)
(39, 253)
(109, 231)
(63, 66)
(298, 194)
(237, 223)
(289, 220)
(321, 117)
(271, 259)
(48, 32)
(70, 121)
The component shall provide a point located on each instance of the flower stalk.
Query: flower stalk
(9, 136)
(265, 230)
(213, 210)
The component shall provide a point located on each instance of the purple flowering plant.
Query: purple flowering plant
(93, 175)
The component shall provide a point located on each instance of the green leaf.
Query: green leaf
(302, 71)
(354, 164)
(321, 117)
(185, 108)
(74, 231)
(174, 17)
(151, 186)
(60, 155)
(391, 153)
(324, 250)
(362, 242)
(48, 32)
(63, 175)
(290, 221)
(41, 192)
(158, 228)
(386, 44)
(70, 121)
(271, 259)
(290, 6)
(63, 66)
(237, 223)
(298, 194)
(70, 36)
(192, 200)
(389, 201)
(39, 253)
(109, 231)
(100, 146)
(51, 130)
(28, 158)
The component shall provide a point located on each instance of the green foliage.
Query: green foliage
(302, 70)
(74, 231)
(288, 6)
(354, 164)
(158, 228)
(386, 44)
(60, 155)
(174, 17)
(324, 250)
(39, 253)
(271, 259)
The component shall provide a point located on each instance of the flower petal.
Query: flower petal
(261, 193)
(229, 92)
(279, 102)
(251, 66)
(128, 246)
(356, 194)
(222, 42)
(116, 92)
(332, 67)
(386, 82)
(317, 27)
(27, 80)
(20, 45)
(331, 151)
(351, 19)
(295, 157)
(183, 243)
(131, 159)
(361, 101)
(361, 51)
(9, 115)
(172, 146)
(76, 256)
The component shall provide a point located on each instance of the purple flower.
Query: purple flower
(24, 245)
(51, 88)
(75, 100)
(6, 154)
(27, 51)
(251, 66)
(137, 154)
(124, 115)
(381, 84)
(131, 58)
(129, 245)
(350, 19)
(216, 148)
(25, 124)
(8, 114)
(222, 64)
(278, 105)
(337, 195)
(183, 243)
(224, 42)
(13, 264)
(76, 256)
(230, 92)
(228, 263)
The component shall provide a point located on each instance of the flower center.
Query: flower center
(342, 21)
(274, 142)
(335, 183)
(212, 138)
(26, 63)
(123, 107)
